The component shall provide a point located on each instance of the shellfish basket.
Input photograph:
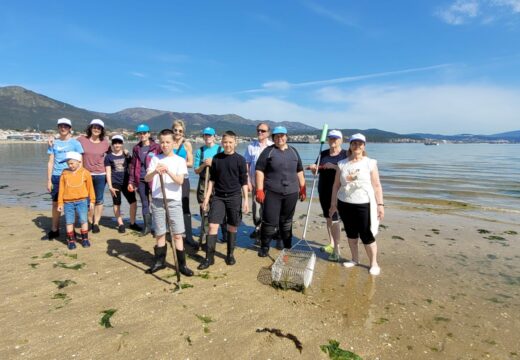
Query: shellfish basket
(293, 269)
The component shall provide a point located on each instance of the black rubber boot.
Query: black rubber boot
(147, 224)
(159, 258)
(231, 242)
(211, 242)
(188, 234)
(181, 258)
(264, 247)
(286, 236)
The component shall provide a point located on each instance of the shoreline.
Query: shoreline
(449, 288)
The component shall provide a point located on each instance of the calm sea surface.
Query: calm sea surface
(484, 176)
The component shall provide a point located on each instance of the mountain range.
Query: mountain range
(21, 108)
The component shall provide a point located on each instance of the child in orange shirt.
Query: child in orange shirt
(76, 190)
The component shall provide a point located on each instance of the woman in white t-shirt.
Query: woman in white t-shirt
(358, 197)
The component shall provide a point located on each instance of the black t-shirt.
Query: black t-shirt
(119, 166)
(229, 174)
(327, 176)
(280, 169)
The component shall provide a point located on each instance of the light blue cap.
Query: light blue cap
(142, 128)
(279, 130)
(208, 131)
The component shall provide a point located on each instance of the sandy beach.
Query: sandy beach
(449, 289)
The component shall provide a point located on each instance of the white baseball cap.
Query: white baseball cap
(98, 122)
(335, 134)
(358, 136)
(71, 155)
(64, 121)
(118, 137)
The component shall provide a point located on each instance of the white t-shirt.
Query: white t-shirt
(177, 166)
(252, 154)
(358, 190)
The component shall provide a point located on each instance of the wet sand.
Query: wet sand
(449, 289)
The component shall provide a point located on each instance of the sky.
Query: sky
(445, 67)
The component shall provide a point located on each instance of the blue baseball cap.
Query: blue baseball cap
(279, 130)
(142, 128)
(208, 131)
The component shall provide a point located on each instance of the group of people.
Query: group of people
(271, 170)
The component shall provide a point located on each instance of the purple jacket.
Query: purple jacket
(135, 165)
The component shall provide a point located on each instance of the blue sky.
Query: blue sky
(406, 66)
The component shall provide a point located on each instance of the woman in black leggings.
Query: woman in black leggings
(279, 184)
(358, 197)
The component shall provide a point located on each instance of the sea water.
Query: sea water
(483, 176)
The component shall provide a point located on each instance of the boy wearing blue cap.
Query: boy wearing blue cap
(76, 189)
(203, 158)
(142, 154)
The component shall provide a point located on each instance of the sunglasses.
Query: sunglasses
(261, 130)
(64, 126)
(178, 131)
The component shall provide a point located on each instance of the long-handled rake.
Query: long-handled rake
(168, 222)
(204, 212)
(294, 268)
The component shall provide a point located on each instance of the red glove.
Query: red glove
(260, 196)
(303, 193)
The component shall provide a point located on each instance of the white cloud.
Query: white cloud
(459, 12)
(285, 85)
(331, 14)
(485, 12)
(513, 5)
(444, 109)
(138, 74)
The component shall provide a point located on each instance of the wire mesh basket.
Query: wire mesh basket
(293, 269)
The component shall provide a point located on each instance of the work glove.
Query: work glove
(303, 193)
(260, 196)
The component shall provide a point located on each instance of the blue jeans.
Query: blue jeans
(99, 182)
(80, 207)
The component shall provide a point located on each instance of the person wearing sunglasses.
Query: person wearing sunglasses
(142, 155)
(95, 147)
(252, 153)
(182, 147)
(57, 150)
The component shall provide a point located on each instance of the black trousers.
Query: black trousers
(278, 212)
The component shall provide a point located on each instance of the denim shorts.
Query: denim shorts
(80, 207)
(55, 180)
(99, 182)
(159, 216)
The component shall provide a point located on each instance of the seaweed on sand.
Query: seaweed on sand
(105, 319)
(337, 353)
(63, 283)
(280, 334)
(69, 266)
(205, 321)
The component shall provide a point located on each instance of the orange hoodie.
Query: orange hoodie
(76, 185)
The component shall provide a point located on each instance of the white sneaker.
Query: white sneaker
(349, 264)
(375, 270)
